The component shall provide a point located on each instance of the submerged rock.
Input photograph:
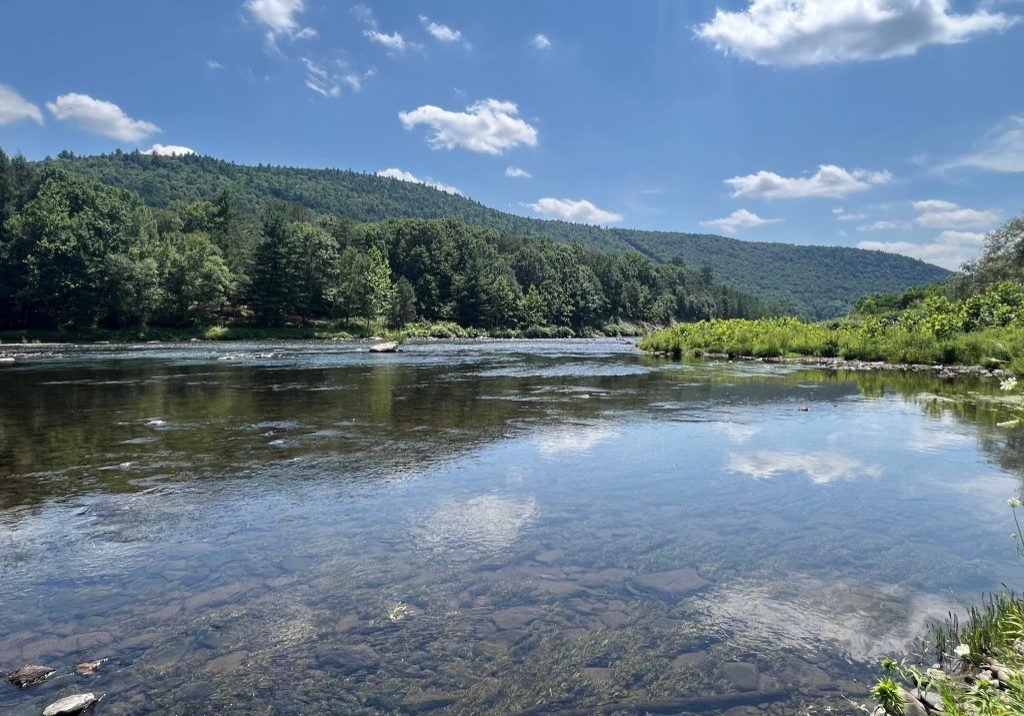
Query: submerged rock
(70, 705)
(742, 675)
(385, 347)
(30, 674)
(673, 583)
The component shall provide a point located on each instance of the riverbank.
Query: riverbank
(311, 331)
(845, 344)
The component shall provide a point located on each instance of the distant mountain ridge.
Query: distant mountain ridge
(813, 281)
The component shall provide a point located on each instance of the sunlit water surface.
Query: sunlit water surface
(475, 527)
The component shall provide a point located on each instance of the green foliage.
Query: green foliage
(78, 255)
(985, 328)
(812, 281)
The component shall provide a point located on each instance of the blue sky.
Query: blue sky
(893, 124)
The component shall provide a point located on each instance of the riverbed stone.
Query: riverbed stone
(741, 674)
(226, 664)
(30, 674)
(516, 617)
(597, 674)
(348, 659)
(384, 347)
(671, 583)
(70, 705)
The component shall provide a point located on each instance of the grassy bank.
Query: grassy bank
(977, 666)
(987, 329)
(309, 331)
(789, 337)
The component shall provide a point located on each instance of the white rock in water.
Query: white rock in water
(386, 347)
(70, 704)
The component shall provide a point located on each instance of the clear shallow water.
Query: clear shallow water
(482, 526)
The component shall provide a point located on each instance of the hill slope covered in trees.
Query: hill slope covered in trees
(77, 254)
(812, 281)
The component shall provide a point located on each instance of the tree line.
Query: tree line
(78, 254)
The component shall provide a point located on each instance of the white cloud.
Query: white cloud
(950, 249)
(828, 181)
(394, 42)
(401, 175)
(885, 226)
(490, 126)
(14, 107)
(440, 32)
(101, 117)
(938, 214)
(517, 173)
(1002, 149)
(280, 17)
(214, 65)
(842, 214)
(540, 41)
(327, 81)
(169, 150)
(739, 219)
(580, 211)
(810, 32)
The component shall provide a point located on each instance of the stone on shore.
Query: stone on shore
(70, 705)
(30, 674)
(385, 347)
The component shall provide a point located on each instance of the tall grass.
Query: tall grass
(869, 341)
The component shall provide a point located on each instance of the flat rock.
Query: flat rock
(688, 660)
(70, 705)
(384, 347)
(516, 617)
(429, 701)
(741, 674)
(673, 583)
(30, 674)
(227, 663)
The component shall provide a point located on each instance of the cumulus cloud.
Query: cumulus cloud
(394, 41)
(169, 150)
(810, 32)
(540, 41)
(1002, 150)
(739, 219)
(885, 226)
(401, 175)
(490, 126)
(440, 32)
(214, 65)
(938, 214)
(280, 17)
(842, 214)
(101, 117)
(829, 181)
(517, 173)
(580, 211)
(950, 249)
(14, 107)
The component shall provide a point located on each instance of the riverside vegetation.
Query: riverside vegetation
(975, 319)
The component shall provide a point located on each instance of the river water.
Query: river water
(484, 527)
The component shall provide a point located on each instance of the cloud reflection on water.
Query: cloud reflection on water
(479, 524)
(820, 467)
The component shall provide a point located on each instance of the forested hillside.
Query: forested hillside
(813, 281)
(77, 254)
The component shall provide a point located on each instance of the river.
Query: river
(484, 526)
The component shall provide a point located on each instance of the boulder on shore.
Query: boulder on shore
(385, 347)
